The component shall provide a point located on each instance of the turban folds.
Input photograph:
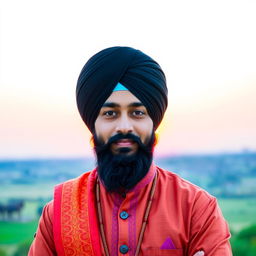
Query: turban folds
(138, 72)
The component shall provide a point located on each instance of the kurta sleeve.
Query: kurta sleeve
(43, 244)
(209, 231)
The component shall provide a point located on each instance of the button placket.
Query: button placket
(123, 216)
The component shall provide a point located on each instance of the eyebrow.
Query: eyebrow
(115, 105)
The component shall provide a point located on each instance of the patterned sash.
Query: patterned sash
(75, 225)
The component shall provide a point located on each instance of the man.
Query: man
(127, 205)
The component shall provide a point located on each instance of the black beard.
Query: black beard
(121, 172)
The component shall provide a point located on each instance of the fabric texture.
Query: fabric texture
(72, 234)
(138, 72)
(183, 219)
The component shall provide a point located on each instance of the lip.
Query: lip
(125, 143)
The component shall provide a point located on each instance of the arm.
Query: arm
(209, 231)
(43, 244)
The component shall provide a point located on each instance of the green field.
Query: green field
(239, 213)
(26, 191)
(14, 233)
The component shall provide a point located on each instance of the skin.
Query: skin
(123, 113)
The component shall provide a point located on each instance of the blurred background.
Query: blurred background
(207, 51)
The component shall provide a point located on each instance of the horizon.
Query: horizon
(209, 64)
(205, 154)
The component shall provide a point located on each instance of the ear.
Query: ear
(92, 142)
(157, 138)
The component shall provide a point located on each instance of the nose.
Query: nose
(124, 125)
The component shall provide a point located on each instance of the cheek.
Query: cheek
(103, 130)
(145, 130)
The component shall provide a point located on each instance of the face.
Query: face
(123, 113)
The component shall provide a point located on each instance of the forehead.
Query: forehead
(122, 98)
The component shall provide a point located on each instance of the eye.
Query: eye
(109, 113)
(138, 113)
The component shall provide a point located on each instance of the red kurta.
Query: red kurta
(183, 219)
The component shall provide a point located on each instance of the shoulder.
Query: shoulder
(188, 199)
(183, 189)
(43, 243)
(69, 190)
(89, 175)
(46, 220)
(83, 176)
(47, 214)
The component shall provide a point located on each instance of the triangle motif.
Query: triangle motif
(168, 244)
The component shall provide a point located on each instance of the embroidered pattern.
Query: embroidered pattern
(74, 218)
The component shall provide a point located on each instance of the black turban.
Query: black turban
(139, 73)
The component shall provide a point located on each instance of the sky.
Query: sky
(206, 49)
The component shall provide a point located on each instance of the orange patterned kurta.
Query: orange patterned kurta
(183, 220)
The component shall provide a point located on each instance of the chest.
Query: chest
(167, 228)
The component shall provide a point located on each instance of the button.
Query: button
(124, 215)
(123, 249)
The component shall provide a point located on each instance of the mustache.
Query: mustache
(121, 136)
(100, 146)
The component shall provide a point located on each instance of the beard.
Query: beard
(121, 171)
